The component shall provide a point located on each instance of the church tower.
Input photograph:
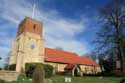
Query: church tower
(28, 46)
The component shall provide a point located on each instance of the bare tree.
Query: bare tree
(92, 55)
(59, 48)
(111, 34)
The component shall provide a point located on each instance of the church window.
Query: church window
(34, 27)
(32, 46)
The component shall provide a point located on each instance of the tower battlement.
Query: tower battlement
(30, 25)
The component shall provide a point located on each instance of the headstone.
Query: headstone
(118, 65)
(38, 75)
(30, 79)
(100, 77)
(67, 80)
(23, 79)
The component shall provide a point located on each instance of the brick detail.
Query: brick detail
(30, 25)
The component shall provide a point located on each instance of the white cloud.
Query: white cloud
(58, 31)
(68, 45)
(6, 41)
(4, 51)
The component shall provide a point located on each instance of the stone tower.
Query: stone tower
(28, 46)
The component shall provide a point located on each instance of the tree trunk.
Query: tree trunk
(121, 47)
(123, 60)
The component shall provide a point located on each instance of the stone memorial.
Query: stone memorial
(38, 75)
(67, 80)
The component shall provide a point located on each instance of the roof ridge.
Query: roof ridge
(62, 51)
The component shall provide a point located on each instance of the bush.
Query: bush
(117, 73)
(48, 70)
(12, 67)
(2, 81)
(29, 68)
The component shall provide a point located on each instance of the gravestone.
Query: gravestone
(38, 75)
(67, 80)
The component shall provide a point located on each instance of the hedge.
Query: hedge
(12, 67)
(29, 68)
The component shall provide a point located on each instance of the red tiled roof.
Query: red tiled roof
(60, 56)
(69, 66)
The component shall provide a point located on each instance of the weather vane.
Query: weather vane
(33, 12)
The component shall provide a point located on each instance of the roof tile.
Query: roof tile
(60, 56)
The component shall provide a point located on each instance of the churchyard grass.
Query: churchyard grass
(85, 79)
(21, 79)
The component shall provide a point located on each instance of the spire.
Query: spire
(33, 12)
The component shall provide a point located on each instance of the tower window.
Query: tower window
(34, 27)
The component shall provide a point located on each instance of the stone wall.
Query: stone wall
(8, 75)
(59, 67)
(22, 52)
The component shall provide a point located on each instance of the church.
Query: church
(29, 47)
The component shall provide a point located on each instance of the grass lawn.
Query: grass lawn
(86, 79)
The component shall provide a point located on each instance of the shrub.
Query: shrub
(29, 68)
(12, 67)
(2, 81)
(117, 73)
(48, 70)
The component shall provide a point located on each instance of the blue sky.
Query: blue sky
(69, 24)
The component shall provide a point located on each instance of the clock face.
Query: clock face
(32, 46)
